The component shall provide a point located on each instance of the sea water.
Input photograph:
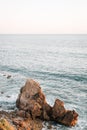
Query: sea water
(57, 62)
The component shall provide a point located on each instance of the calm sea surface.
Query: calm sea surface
(57, 62)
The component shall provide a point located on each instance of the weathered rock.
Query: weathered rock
(58, 109)
(70, 118)
(27, 124)
(47, 111)
(17, 121)
(31, 100)
(21, 113)
(61, 115)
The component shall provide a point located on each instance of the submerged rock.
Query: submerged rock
(32, 102)
(2, 92)
(8, 76)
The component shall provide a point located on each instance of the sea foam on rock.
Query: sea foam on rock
(32, 102)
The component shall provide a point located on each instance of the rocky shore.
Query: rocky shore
(13, 121)
(33, 109)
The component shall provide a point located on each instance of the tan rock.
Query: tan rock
(5, 125)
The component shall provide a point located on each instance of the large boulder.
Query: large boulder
(31, 99)
(63, 116)
(31, 92)
(58, 109)
(31, 102)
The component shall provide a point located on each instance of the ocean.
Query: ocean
(57, 62)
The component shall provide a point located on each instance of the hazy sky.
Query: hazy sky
(43, 16)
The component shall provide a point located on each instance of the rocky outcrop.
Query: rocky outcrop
(33, 109)
(31, 102)
(63, 116)
(15, 121)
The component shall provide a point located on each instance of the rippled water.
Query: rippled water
(57, 62)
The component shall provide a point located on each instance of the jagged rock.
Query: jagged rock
(47, 111)
(32, 101)
(17, 121)
(27, 124)
(58, 109)
(61, 115)
(5, 125)
(70, 118)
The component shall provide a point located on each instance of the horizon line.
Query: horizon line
(43, 33)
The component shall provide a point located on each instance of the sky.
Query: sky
(43, 16)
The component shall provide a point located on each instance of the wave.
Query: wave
(45, 74)
(7, 106)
